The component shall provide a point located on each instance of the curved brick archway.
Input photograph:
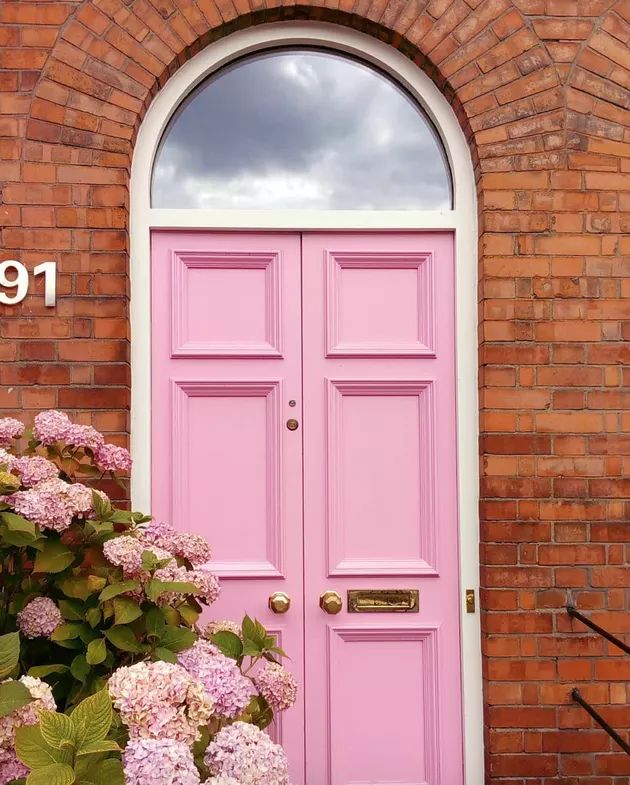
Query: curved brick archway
(542, 90)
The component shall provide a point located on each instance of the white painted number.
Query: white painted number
(49, 269)
(18, 280)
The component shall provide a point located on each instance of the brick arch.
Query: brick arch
(112, 56)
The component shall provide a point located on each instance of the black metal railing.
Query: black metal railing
(575, 693)
(575, 614)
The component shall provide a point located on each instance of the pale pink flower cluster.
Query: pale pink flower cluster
(111, 458)
(203, 579)
(50, 427)
(35, 469)
(192, 547)
(126, 552)
(221, 780)
(84, 436)
(10, 767)
(159, 762)
(53, 504)
(160, 700)
(7, 459)
(276, 685)
(39, 618)
(10, 429)
(247, 754)
(224, 625)
(26, 715)
(221, 677)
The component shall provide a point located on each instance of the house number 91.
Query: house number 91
(19, 281)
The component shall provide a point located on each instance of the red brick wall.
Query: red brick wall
(542, 90)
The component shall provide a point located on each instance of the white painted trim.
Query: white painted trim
(463, 220)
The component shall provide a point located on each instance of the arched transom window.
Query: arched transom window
(300, 128)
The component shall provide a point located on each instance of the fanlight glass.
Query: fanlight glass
(300, 129)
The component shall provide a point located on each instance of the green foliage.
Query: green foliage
(62, 749)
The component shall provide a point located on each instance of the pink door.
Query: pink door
(226, 362)
(353, 336)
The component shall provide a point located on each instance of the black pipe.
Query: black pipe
(575, 614)
(575, 694)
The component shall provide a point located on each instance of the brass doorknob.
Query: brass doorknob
(279, 602)
(330, 602)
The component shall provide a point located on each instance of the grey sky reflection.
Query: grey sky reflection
(300, 129)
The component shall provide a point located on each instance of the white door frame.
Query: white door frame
(462, 220)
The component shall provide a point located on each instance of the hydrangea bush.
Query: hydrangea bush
(106, 674)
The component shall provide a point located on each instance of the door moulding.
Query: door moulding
(462, 221)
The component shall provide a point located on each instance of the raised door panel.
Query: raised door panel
(226, 361)
(380, 508)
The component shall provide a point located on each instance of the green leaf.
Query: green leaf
(249, 628)
(92, 719)
(19, 539)
(41, 671)
(79, 668)
(177, 638)
(9, 653)
(154, 623)
(99, 747)
(81, 588)
(72, 610)
(109, 772)
(33, 751)
(123, 638)
(114, 589)
(13, 695)
(93, 617)
(56, 728)
(55, 557)
(229, 644)
(165, 654)
(96, 652)
(55, 774)
(65, 632)
(154, 588)
(125, 610)
(15, 523)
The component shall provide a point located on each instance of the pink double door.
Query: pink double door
(303, 408)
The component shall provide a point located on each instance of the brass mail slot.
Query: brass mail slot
(383, 601)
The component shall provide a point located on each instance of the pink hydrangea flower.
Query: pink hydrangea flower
(111, 458)
(7, 459)
(192, 547)
(224, 625)
(247, 754)
(221, 676)
(159, 762)
(160, 700)
(84, 436)
(35, 469)
(221, 780)
(39, 618)
(10, 767)
(276, 685)
(53, 504)
(202, 578)
(29, 714)
(49, 510)
(51, 427)
(126, 552)
(10, 429)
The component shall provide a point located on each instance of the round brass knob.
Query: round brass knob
(279, 602)
(330, 602)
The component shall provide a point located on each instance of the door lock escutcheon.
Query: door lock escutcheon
(293, 425)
